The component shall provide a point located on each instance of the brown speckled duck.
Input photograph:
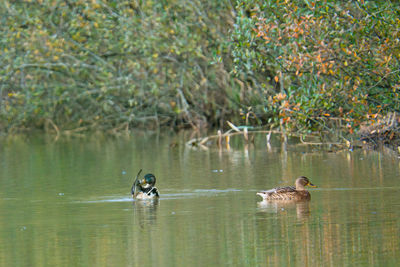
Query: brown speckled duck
(289, 193)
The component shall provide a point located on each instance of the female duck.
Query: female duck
(289, 193)
(144, 188)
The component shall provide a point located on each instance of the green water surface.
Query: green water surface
(67, 202)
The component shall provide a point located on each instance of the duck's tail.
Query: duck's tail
(262, 194)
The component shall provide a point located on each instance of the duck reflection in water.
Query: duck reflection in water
(145, 212)
(302, 207)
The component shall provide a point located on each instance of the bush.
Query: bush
(115, 64)
(321, 59)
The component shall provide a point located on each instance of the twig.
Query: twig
(54, 127)
(233, 126)
(227, 135)
(318, 143)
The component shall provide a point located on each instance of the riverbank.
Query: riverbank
(115, 67)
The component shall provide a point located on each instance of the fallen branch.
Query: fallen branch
(244, 130)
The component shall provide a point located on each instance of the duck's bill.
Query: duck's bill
(311, 185)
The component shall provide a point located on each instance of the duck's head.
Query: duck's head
(148, 181)
(302, 182)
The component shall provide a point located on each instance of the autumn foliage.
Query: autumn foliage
(115, 65)
(322, 59)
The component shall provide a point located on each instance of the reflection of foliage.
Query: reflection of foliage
(114, 63)
(323, 58)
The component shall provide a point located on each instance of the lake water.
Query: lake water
(67, 202)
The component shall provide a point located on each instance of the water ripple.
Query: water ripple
(164, 196)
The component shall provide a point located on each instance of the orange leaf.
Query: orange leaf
(276, 79)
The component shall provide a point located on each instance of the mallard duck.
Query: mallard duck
(144, 188)
(289, 193)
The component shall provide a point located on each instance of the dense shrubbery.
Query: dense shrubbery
(324, 59)
(118, 64)
(115, 64)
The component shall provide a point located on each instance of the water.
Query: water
(67, 203)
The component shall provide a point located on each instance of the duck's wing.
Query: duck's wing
(277, 192)
(135, 185)
(287, 189)
(153, 192)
